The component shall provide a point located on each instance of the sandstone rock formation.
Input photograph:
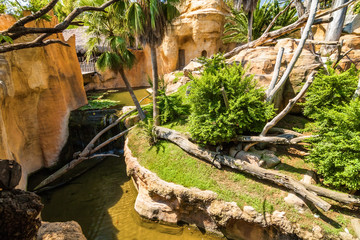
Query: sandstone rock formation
(196, 32)
(60, 231)
(42, 86)
(261, 62)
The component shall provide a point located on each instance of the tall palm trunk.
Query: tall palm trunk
(155, 85)
(250, 24)
(132, 94)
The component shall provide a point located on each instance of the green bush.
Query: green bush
(211, 122)
(336, 152)
(329, 91)
(171, 107)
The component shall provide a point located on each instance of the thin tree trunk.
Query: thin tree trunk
(132, 94)
(250, 25)
(276, 71)
(297, 53)
(334, 29)
(156, 114)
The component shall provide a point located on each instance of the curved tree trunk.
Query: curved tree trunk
(156, 114)
(132, 94)
(334, 29)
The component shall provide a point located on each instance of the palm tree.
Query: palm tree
(108, 33)
(249, 7)
(149, 19)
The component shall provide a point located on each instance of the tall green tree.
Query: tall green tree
(150, 19)
(109, 32)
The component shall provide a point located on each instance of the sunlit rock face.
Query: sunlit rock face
(42, 86)
(260, 61)
(197, 32)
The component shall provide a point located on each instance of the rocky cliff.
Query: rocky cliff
(196, 32)
(42, 86)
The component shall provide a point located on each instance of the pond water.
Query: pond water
(102, 202)
(124, 98)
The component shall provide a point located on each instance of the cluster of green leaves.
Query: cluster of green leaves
(237, 28)
(17, 8)
(172, 107)
(211, 122)
(331, 90)
(96, 101)
(335, 153)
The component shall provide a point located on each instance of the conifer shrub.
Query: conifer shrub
(329, 91)
(210, 121)
(335, 154)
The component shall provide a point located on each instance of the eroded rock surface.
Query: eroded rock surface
(261, 63)
(42, 86)
(19, 215)
(60, 231)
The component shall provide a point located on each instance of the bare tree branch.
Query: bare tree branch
(21, 22)
(277, 16)
(297, 53)
(278, 33)
(290, 105)
(18, 30)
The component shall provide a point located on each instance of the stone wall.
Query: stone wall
(42, 86)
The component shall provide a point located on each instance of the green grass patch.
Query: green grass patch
(172, 164)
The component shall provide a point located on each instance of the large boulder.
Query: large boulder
(19, 211)
(260, 62)
(10, 174)
(60, 231)
(42, 86)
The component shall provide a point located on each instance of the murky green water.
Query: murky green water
(124, 97)
(102, 202)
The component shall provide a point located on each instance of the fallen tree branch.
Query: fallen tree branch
(242, 166)
(91, 144)
(272, 139)
(77, 161)
(337, 196)
(289, 106)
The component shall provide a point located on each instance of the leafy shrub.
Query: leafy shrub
(329, 91)
(100, 104)
(210, 120)
(171, 107)
(336, 152)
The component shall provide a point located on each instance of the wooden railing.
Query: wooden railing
(87, 66)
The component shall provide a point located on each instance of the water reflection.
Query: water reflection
(102, 201)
